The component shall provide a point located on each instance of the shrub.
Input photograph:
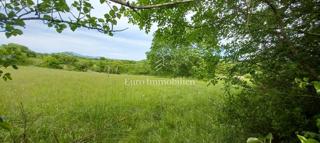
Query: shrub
(258, 111)
(51, 62)
(82, 65)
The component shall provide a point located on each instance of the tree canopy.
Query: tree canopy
(62, 14)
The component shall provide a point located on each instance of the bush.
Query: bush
(258, 111)
(82, 65)
(51, 62)
(13, 54)
(65, 59)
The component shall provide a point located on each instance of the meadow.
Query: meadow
(50, 105)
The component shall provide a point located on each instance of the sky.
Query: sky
(131, 44)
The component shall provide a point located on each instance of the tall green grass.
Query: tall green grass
(67, 106)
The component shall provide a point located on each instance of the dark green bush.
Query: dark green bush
(51, 62)
(82, 65)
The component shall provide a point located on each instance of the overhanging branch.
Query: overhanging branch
(152, 6)
(71, 22)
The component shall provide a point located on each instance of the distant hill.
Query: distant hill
(74, 54)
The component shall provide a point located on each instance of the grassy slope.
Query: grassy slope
(69, 106)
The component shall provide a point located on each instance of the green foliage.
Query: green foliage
(13, 55)
(275, 42)
(58, 61)
(311, 137)
(316, 85)
(139, 68)
(266, 139)
(65, 59)
(192, 61)
(58, 14)
(305, 140)
(10, 56)
(255, 113)
(52, 62)
(82, 65)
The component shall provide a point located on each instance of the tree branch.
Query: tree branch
(312, 34)
(70, 22)
(152, 6)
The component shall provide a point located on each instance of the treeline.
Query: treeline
(162, 60)
(15, 54)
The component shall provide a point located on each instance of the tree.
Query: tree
(60, 14)
(11, 56)
(187, 61)
(82, 65)
(52, 62)
(275, 42)
(65, 58)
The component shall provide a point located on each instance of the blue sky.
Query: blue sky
(130, 44)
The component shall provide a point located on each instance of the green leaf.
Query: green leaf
(8, 34)
(2, 16)
(118, 15)
(114, 22)
(20, 22)
(101, 20)
(112, 13)
(318, 123)
(47, 17)
(73, 27)
(30, 2)
(107, 16)
(115, 8)
(102, 1)
(253, 140)
(269, 137)
(11, 14)
(86, 9)
(316, 85)
(50, 24)
(16, 32)
(302, 139)
(60, 27)
(122, 9)
(75, 4)
(305, 140)
(9, 27)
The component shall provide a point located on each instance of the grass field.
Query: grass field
(67, 106)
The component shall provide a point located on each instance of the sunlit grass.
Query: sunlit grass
(69, 106)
